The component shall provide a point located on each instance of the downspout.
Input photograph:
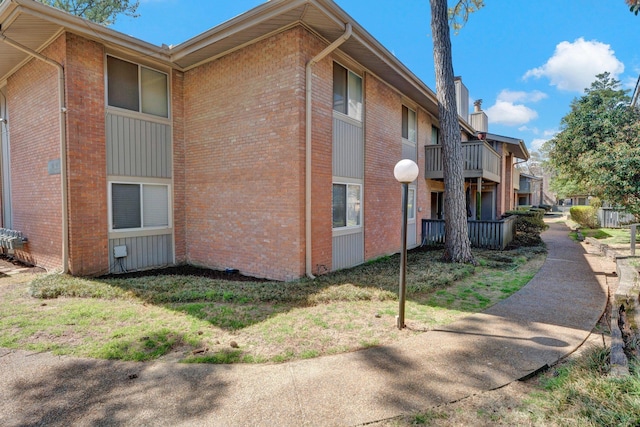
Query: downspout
(309, 91)
(63, 144)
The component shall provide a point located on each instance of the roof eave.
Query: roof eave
(12, 10)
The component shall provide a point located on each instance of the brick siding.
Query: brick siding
(244, 159)
(34, 130)
(86, 148)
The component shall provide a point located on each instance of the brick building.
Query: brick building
(266, 144)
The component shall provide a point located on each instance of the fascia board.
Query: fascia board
(91, 30)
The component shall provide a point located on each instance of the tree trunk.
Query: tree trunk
(457, 245)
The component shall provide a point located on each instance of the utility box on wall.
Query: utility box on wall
(119, 251)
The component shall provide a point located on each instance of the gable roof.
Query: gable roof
(35, 25)
(515, 145)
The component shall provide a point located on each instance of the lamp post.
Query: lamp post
(405, 171)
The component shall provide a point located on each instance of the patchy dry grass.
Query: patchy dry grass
(577, 392)
(199, 319)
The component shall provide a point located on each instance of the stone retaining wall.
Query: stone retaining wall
(625, 308)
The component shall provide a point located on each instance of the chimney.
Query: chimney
(462, 99)
(478, 119)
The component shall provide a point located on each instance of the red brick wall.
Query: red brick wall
(179, 190)
(86, 153)
(383, 149)
(244, 159)
(34, 131)
(509, 191)
(423, 202)
(322, 158)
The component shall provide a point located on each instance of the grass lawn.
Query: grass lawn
(610, 236)
(202, 320)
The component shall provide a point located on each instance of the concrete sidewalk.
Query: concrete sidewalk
(548, 319)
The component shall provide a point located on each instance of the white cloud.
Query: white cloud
(525, 128)
(506, 111)
(537, 143)
(510, 114)
(573, 66)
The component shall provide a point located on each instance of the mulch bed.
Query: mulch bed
(189, 270)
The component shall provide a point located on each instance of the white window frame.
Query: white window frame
(361, 201)
(141, 184)
(411, 208)
(140, 85)
(356, 113)
(412, 131)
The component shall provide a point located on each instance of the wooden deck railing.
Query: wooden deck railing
(480, 161)
(482, 234)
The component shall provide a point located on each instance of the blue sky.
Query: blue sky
(527, 60)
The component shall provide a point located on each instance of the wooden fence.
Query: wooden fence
(482, 234)
(614, 217)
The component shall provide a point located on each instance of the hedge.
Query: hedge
(529, 221)
(586, 216)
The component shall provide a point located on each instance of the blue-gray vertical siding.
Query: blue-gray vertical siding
(139, 148)
(348, 148)
(409, 150)
(348, 162)
(348, 250)
(412, 230)
(142, 252)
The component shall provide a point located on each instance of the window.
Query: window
(409, 124)
(346, 205)
(136, 88)
(347, 92)
(139, 206)
(411, 205)
(435, 135)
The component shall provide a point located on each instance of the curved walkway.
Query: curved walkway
(546, 320)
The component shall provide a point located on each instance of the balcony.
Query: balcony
(480, 161)
(525, 187)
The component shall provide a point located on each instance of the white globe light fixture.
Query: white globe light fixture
(405, 171)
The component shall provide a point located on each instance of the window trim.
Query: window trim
(139, 75)
(435, 129)
(360, 214)
(347, 97)
(409, 129)
(142, 228)
(411, 213)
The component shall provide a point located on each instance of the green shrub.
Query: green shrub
(529, 225)
(595, 203)
(586, 216)
(529, 221)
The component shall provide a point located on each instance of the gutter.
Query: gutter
(63, 143)
(308, 131)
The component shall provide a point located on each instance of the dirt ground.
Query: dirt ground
(10, 267)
